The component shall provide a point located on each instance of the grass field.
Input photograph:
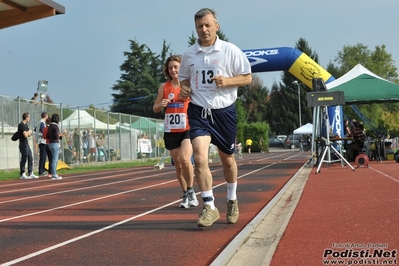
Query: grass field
(87, 167)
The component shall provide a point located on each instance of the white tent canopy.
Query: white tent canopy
(353, 73)
(361, 86)
(305, 129)
(83, 120)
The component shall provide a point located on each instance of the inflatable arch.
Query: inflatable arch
(301, 66)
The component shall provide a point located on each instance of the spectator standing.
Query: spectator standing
(92, 147)
(176, 136)
(54, 135)
(48, 152)
(24, 149)
(101, 147)
(41, 140)
(300, 143)
(66, 146)
(77, 144)
(160, 144)
(85, 145)
(211, 72)
(248, 143)
(309, 142)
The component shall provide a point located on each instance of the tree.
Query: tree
(278, 111)
(254, 98)
(380, 62)
(242, 117)
(140, 80)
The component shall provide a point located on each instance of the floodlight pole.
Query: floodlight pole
(42, 86)
(299, 100)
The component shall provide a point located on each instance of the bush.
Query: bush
(254, 131)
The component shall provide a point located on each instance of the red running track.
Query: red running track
(343, 217)
(129, 216)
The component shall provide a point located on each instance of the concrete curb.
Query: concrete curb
(233, 253)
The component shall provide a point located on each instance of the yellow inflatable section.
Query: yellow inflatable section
(305, 69)
(60, 165)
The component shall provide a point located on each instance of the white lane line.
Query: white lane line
(22, 183)
(37, 253)
(86, 201)
(81, 188)
(279, 155)
(386, 175)
(72, 182)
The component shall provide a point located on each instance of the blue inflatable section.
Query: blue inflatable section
(301, 66)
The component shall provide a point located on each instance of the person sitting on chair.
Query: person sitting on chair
(358, 141)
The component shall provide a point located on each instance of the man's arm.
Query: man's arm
(237, 81)
(185, 82)
(42, 126)
(27, 133)
(185, 89)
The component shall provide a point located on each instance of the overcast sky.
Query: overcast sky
(80, 52)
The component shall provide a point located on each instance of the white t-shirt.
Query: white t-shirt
(199, 65)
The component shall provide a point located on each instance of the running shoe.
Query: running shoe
(24, 176)
(33, 176)
(192, 199)
(208, 216)
(232, 211)
(184, 201)
(56, 177)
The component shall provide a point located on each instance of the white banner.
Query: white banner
(144, 146)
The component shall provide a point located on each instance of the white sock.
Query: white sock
(208, 194)
(231, 191)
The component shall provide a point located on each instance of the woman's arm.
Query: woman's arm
(159, 101)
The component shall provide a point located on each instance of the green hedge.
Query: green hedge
(254, 131)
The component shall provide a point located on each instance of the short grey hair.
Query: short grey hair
(206, 11)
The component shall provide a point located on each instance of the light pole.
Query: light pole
(42, 86)
(299, 100)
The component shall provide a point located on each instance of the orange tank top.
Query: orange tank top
(176, 119)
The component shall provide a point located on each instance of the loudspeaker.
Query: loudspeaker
(362, 160)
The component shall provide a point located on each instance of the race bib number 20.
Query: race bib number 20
(175, 121)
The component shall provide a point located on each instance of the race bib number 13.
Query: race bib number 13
(204, 78)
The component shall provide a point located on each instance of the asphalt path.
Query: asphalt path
(130, 216)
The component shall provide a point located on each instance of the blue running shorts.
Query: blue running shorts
(220, 124)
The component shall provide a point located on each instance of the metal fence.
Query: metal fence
(123, 133)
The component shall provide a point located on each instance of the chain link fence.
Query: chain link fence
(125, 137)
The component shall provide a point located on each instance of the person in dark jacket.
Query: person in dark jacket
(54, 137)
(24, 149)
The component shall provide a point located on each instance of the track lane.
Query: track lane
(257, 185)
